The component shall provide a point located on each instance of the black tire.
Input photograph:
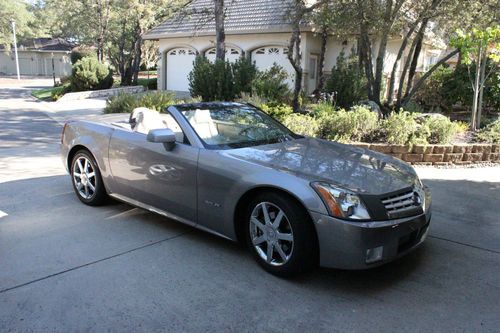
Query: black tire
(304, 254)
(97, 196)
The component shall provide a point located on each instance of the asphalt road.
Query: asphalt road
(68, 267)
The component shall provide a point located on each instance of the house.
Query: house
(35, 57)
(258, 29)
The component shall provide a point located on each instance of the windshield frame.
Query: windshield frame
(181, 108)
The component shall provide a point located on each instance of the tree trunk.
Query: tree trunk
(416, 54)
(482, 80)
(473, 125)
(403, 75)
(321, 61)
(392, 81)
(419, 83)
(294, 56)
(220, 36)
(365, 55)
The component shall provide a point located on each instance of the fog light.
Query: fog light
(374, 255)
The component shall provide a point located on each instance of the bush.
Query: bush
(244, 72)
(347, 82)
(346, 126)
(79, 53)
(279, 112)
(441, 129)
(90, 74)
(322, 109)
(302, 124)
(125, 103)
(401, 128)
(60, 90)
(490, 133)
(271, 84)
(212, 81)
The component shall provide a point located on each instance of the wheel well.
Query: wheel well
(249, 195)
(73, 152)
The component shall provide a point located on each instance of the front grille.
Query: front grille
(402, 204)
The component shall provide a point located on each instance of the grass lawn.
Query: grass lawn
(46, 94)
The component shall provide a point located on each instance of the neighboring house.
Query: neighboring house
(259, 29)
(35, 57)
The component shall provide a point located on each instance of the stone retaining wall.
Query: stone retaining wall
(72, 96)
(439, 154)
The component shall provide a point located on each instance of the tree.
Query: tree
(299, 10)
(16, 10)
(220, 36)
(477, 47)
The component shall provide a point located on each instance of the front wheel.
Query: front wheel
(86, 179)
(280, 235)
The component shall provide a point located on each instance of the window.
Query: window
(228, 126)
(261, 51)
(273, 50)
(313, 67)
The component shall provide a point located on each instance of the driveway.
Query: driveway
(68, 267)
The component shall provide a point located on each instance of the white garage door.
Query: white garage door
(265, 57)
(231, 54)
(179, 65)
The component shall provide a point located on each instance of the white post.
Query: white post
(15, 48)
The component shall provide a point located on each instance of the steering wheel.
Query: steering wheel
(245, 131)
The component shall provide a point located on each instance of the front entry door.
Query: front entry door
(147, 172)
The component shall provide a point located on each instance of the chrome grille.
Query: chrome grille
(402, 202)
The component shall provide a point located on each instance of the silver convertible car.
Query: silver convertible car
(232, 170)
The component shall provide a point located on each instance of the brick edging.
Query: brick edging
(457, 154)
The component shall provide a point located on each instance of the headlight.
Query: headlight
(341, 202)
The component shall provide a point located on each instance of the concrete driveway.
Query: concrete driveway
(68, 267)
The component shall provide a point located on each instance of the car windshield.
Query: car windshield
(227, 126)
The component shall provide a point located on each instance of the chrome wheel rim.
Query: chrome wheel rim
(84, 177)
(271, 234)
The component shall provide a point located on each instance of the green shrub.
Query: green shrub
(490, 133)
(121, 103)
(402, 128)
(350, 125)
(156, 100)
(347, 82)
(212, 81)
(302, 124)
(322, 109)
(271, 84)
(279, 112)
(441, 129)
(244, 71)
(59, 91)
(125, 103)
(90, 74)
(80, 52)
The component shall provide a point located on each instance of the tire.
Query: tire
(88, 184)
(294, 234)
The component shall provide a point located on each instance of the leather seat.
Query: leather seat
(143, 120)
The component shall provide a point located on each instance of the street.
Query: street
(68, 267)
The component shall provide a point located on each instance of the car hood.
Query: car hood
(358, 169)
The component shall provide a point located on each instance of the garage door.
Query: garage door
(265, 57)
(179, 65)
(232, 54)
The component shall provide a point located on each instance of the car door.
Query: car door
(150, 174)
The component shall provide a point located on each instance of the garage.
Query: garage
(179, 65)
(232, 54)
(265, 57)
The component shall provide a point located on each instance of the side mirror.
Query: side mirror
(162, 135)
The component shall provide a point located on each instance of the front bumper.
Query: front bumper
(344, 244)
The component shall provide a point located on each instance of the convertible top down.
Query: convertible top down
(232, 170)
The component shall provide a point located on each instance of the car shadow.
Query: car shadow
(455, 219)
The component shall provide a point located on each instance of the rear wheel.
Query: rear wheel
(280, 235)
(86, 179)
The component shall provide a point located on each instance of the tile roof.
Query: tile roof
(241, 16)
